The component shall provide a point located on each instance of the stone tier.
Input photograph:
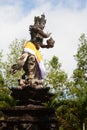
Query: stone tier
(30, 113)
(31, 95)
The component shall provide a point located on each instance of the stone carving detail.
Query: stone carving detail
(31, 59)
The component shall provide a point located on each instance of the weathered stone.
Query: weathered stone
(32, 115)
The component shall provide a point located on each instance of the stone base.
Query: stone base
(30, 113)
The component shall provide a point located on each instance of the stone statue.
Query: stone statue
(31, 59)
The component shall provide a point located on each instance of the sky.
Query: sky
(66, 20)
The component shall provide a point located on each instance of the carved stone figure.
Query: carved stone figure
(31, 59)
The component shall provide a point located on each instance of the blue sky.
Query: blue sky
(66, 20)
(28, 5)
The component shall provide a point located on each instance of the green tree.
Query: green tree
(1, 80)
(79, 84)
(1, 70)
(15, 51)
(71, 111)
(5, 98)
(56, 79)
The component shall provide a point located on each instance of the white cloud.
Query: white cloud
(65, 24)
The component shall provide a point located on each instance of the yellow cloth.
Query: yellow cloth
(29, 47)
(32, 48)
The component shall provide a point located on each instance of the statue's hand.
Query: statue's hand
(50, 43)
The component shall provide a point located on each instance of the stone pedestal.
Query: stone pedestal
(30, 113)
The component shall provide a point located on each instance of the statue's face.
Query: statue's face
(42, 25)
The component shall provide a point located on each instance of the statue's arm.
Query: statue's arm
(20, 63)
(45, 35)
(40, 31)
(50, 43)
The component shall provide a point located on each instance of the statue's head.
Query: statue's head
(36, 30)
(40, 21)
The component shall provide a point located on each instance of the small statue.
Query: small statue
(31, 59)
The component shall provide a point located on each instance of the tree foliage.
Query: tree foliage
(79, 84)
(1, 66)
(6, 79)
(5, 98)
(15, 51)
(71, 111)
(56, 77)
(80, 73)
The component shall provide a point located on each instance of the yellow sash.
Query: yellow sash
(29, 47)
(32, 49)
